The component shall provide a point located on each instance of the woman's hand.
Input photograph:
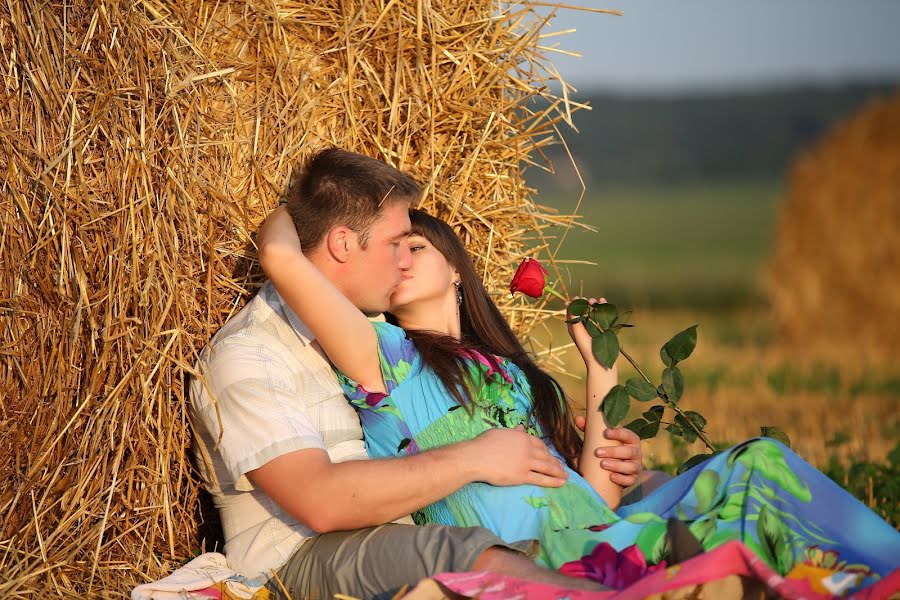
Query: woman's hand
(277, 231)
(583, 341)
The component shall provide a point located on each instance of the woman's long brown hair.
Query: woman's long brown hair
(484, 329)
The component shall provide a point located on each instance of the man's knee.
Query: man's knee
(504, 559)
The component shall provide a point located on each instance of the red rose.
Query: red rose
(530, 279)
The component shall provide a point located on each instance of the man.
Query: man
(281, 450)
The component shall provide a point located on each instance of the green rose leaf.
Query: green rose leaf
(675, 430)
(644, 429)
(579, 319)
(776, 434)
(696, 418)
(687, 432)
(693, 462)
(654, 414)
(673, 383)
(640, 390)
(606, 349)
(636, 425)
(604, 314)
(619, 326)
(615, 405)
(664, 355)
(591, 328)
(579, 307)
(680, 347)
(623, 319)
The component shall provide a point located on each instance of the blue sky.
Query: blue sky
(671, 46)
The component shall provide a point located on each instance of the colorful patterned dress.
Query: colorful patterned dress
(760, 493)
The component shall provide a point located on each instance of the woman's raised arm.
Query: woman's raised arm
(599, 381)
(345, 333)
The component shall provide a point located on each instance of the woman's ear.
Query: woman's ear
(341, 243)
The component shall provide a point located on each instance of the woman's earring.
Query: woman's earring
(458, 285)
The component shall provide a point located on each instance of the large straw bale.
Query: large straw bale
(835, 274)
(141, 143)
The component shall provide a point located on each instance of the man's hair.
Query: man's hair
(340, 188)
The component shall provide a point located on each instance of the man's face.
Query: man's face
(373, 272)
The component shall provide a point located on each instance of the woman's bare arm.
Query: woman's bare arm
(345, 333)
(599, 381)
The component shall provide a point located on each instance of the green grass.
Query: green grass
(701, 244)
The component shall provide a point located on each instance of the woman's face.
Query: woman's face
(429, 277)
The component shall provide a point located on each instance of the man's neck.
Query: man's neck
(329, 267)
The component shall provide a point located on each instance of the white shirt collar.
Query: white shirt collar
(274, 300)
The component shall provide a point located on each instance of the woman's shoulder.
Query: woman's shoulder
(391, 336)
(383, 328)
(396, 352)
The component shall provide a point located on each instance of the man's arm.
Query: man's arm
(623, 462)
(328, 496)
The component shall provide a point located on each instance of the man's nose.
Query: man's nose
(404, 257)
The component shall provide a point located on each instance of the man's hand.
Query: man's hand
(623, 462)
(513, 457)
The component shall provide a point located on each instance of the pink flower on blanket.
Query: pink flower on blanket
(617, 570)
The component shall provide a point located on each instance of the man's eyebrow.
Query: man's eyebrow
(403, 234)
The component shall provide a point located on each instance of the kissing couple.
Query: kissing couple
(355, 456)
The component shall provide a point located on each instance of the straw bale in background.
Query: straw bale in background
(141, 143)
(835, 274)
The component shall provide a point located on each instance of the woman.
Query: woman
(446, 367)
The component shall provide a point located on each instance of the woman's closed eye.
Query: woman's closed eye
(416, 247)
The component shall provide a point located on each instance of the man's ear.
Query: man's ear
(341, 243)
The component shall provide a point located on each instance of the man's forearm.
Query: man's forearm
(377, 491)
(328, 496)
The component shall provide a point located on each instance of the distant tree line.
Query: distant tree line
(721, 135)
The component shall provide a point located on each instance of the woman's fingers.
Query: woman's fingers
(549, 470)
(580, 423)
(618, 452)
(544, 481)
(624, 435)
(623, 480)
(624, 467)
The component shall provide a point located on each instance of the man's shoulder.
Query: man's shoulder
(256, 330)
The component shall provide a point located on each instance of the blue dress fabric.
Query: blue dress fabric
(760, 492)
